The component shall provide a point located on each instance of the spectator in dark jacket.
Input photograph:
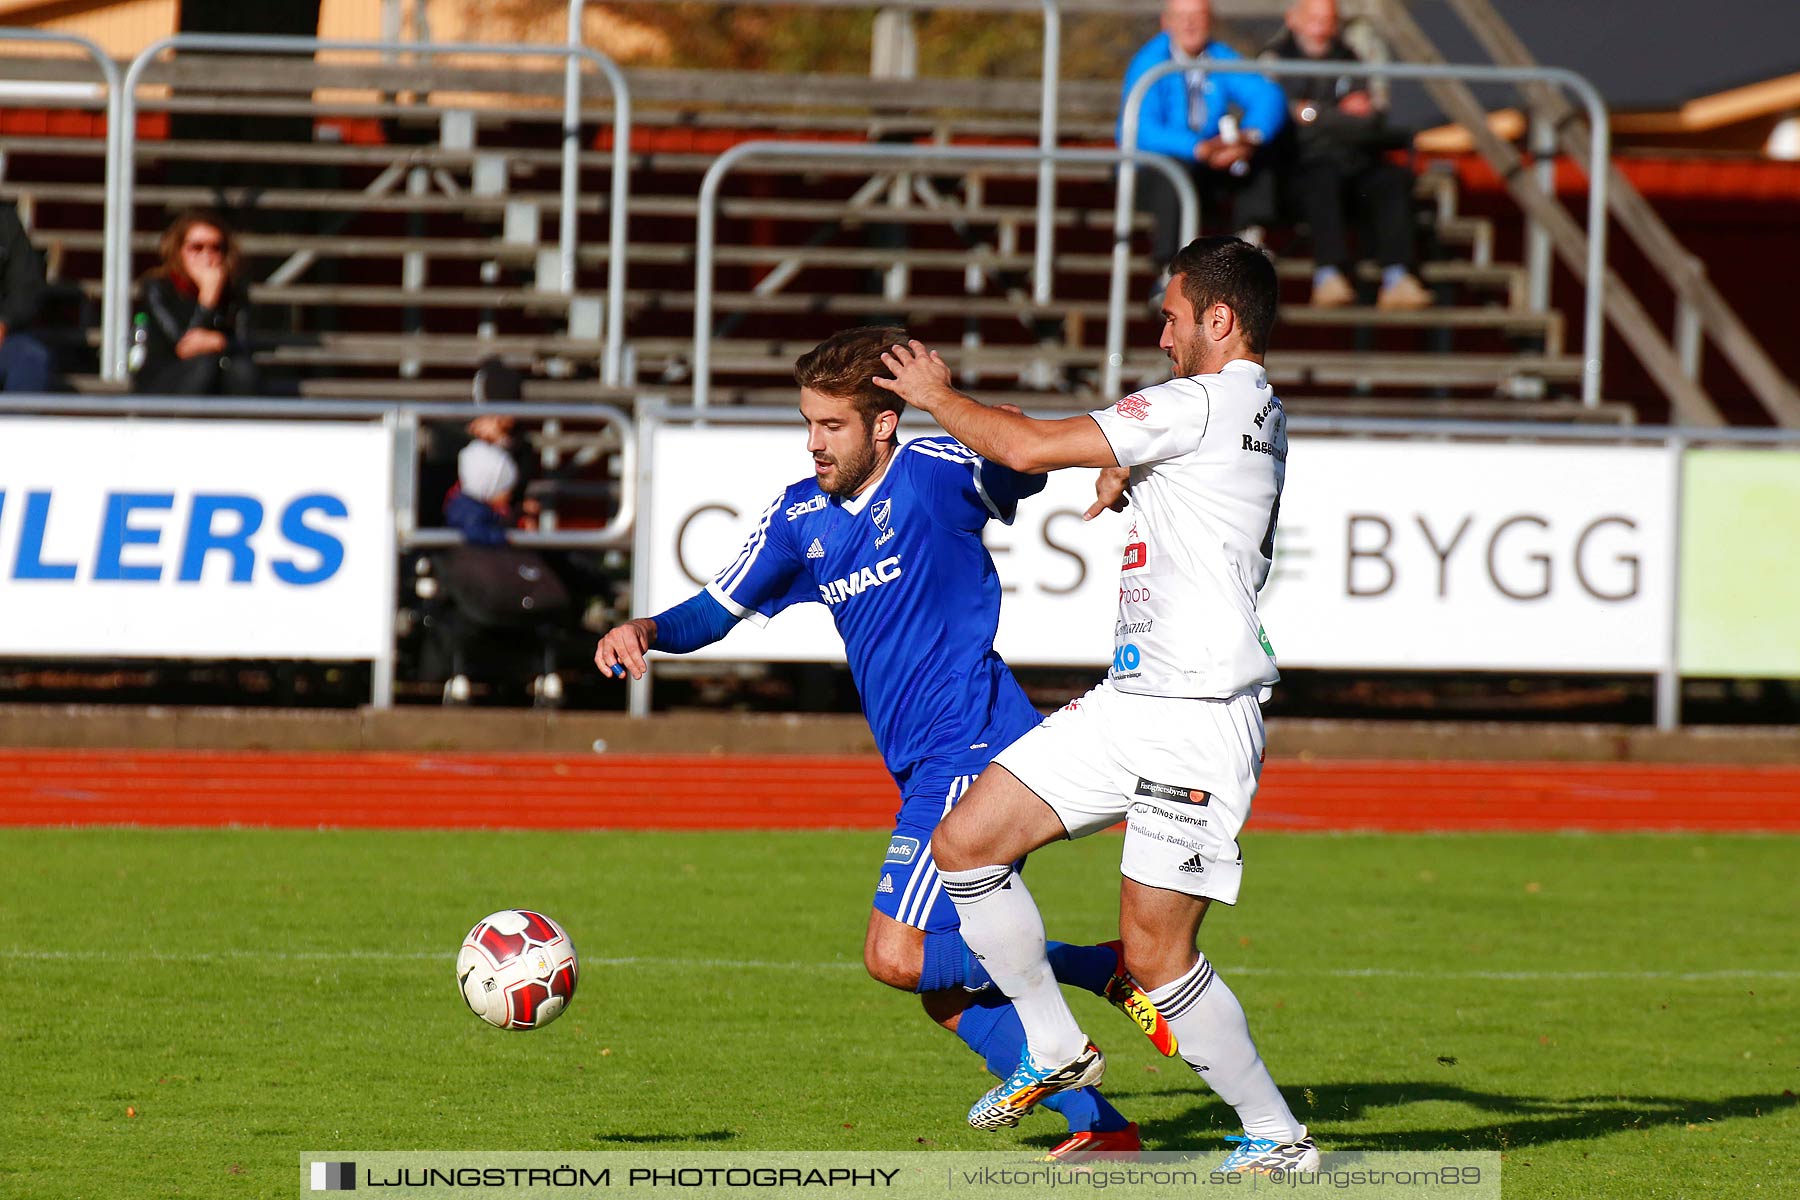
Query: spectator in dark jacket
(25, 362)
(480, 505)
(1334, 164)
(191, 333)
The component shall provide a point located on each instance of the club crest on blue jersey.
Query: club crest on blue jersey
(881, 512)
(902, 850)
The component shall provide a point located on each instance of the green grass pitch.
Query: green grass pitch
(181, 1012)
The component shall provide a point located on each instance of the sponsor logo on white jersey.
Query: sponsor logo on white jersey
(1134, 406)
(1277, 448)
(1137, 551)
(867, 579)
(816, 550)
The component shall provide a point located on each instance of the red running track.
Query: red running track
(545, 791)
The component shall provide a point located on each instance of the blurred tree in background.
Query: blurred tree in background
(824, 41)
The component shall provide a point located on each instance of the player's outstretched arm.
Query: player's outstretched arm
(1024, 444)
(695, 622)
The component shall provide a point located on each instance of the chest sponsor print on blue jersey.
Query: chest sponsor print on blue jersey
(858, 582)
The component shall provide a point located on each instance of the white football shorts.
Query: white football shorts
(1181, 774)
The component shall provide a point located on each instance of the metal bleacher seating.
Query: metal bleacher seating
(408, 241)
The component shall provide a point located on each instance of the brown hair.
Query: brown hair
(845, 364)
(176, 234)
(1232, 272)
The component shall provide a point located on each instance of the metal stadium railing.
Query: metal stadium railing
(121, 166)
(1593, 320)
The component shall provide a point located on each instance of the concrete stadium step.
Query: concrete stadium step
(456, 390)
(302, 199)
(826, 212)
(1610, 412)
(1357, 369)
(1088, 313)
(775, 358)
(1504, 277)
(385, 296)
(429, 349)
(1093, 313)
(527, 158)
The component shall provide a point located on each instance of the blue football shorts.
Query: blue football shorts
(909, 888)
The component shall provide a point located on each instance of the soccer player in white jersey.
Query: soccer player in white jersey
(1171, 742)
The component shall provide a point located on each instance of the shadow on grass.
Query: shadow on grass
(657, 1139)
(1512, 1121)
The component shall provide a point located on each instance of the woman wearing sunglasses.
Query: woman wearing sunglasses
(191, 330)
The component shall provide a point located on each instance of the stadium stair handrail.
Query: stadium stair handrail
(1593, 332)
(923, 157)
(121, 163)
(112, 315)
(1700, 308)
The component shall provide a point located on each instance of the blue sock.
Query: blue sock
(1085, 967)
(947, 959)
(994, 1032)
(950, 963)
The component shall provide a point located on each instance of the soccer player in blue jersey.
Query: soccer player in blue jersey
(888, 536)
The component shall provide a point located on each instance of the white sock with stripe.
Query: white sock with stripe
(1001, 924)
(1215, 1040)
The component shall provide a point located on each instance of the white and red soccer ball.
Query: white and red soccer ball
(517, 969)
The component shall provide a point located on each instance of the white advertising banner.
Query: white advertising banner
(1060, 575)
(1403, 554)
(196, 539)
(1389, 554)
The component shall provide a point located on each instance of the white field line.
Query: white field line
(728, 964)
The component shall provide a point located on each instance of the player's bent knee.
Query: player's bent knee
(954, 847)
(1153, 964)
(894, 964)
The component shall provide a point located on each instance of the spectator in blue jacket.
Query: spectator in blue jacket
(1217, 123)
